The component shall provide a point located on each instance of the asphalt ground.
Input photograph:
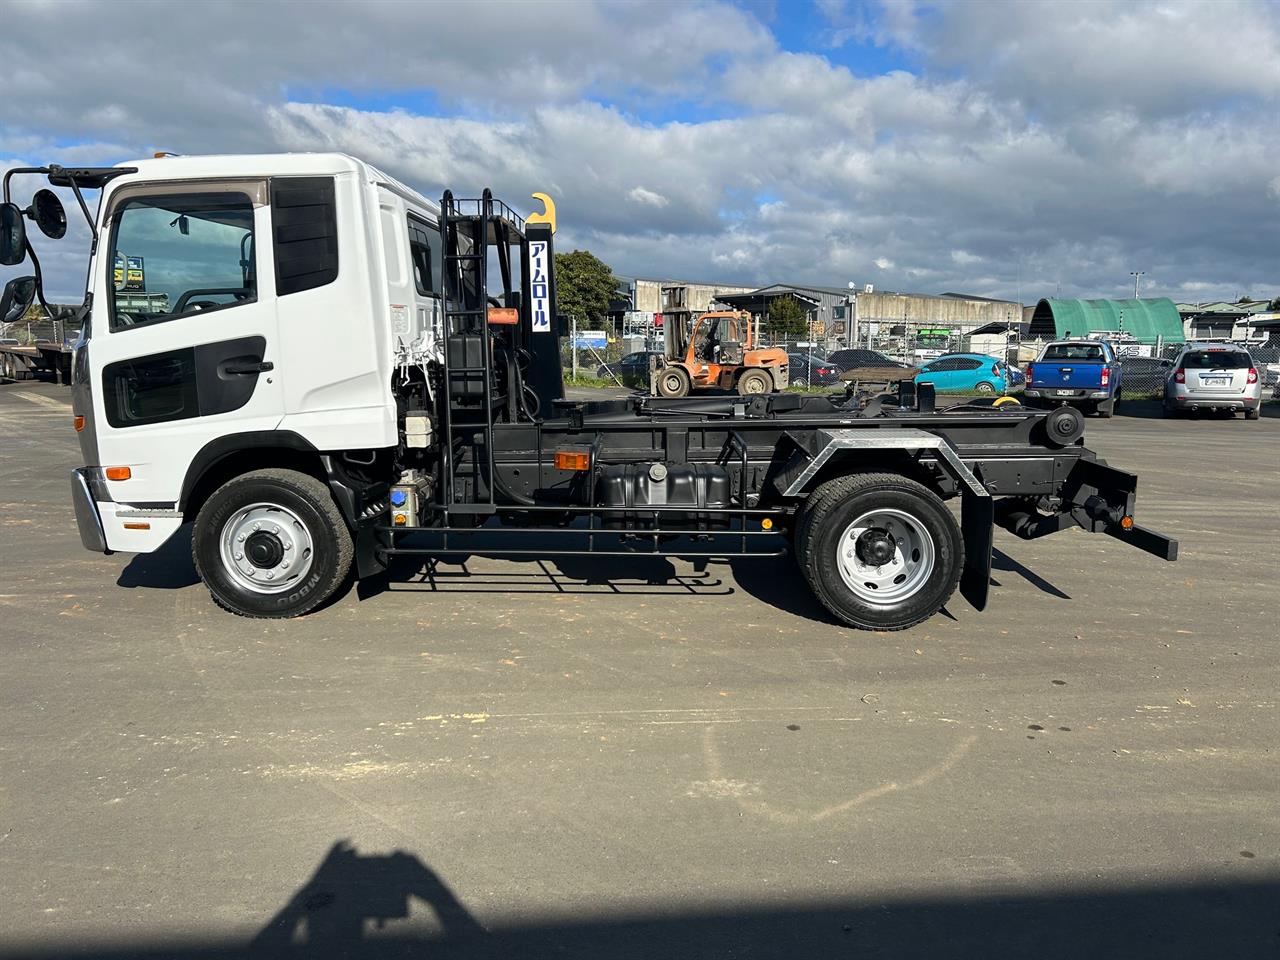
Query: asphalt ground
(649, 758)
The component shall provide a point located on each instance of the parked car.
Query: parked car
(1214, 376)
(1145, 373)
(808, 370)
(855, 358)
(632, 370)
(1082, 373)
(1014, 378)
(965, 373)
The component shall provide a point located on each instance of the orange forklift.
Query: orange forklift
(718, 352)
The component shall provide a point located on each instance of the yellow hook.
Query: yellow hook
(548, 214)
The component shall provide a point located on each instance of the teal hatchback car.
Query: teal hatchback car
(965, 373)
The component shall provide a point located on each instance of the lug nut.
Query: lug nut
(239, 556)
(288, 545)
(257, 526)
(270, 575)
(241, 538)
(285, 565)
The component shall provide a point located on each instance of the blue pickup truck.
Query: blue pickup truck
(1082, 373)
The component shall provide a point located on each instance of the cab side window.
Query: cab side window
(425, 252)
(178, 254)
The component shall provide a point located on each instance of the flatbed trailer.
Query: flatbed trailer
(457, 437)
(18, 361)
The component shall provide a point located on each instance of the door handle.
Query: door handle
(244, 369)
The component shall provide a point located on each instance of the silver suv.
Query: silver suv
(1213, 376)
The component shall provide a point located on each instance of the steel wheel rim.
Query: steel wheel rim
(672, 382)
(985, 387)
(755, 385)
(296, 548)
(912, 566)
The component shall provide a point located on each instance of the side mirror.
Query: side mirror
(46, 210)
(17, 297)
(13, 235)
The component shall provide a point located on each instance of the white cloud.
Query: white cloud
(1036, 145)
(647, 197)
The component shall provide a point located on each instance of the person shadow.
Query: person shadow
(330, 915)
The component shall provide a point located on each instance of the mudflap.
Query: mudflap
(977, 527)
(370, 560)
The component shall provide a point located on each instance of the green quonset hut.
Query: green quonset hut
(1147, 321)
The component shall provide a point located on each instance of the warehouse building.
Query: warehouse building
(844, 316)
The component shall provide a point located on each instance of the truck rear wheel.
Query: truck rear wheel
(753, 382)
(673, 382)
(271, 543)
(880, 551)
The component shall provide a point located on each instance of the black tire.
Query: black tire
(673, 382)
(754, 382)
(799, 382)
(1106, 409)
(1253, 414)
(985, 388)
(299, 498)
(828, 514)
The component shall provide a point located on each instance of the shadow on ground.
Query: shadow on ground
(356, 906)
(169, 568)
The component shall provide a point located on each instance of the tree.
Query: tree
(787, 318)
(584, 287)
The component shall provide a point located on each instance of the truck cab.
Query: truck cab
(243, 310)
(1082, 373)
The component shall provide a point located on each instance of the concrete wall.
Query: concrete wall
(933, 311)
(697, 296)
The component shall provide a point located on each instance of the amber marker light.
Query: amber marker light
(767, 523)
(79, 422)
(137, 526)
(575, 460)
(118, 473)
(1126, 523)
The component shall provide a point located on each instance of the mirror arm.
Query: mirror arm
(35, 262)
(10, 173)
(88, 217)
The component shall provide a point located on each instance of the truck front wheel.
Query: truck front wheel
(880, 551)
(271, 543)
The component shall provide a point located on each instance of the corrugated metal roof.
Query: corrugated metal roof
(1145, 320)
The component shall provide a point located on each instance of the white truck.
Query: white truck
(324, 369)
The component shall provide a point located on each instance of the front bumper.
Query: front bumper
(88, 519)
(107, 526)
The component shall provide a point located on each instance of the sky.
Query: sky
(1001, 149)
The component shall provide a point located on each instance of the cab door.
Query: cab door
(185, 345)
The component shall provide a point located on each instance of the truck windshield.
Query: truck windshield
(1073, 351)
(176, 254)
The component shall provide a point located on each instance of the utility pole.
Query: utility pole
(1136, 274)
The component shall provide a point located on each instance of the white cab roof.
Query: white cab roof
(270, 165)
